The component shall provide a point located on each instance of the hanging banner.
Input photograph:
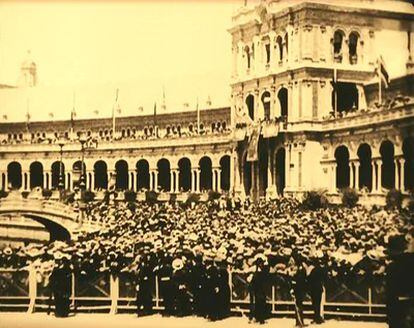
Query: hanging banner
(252, 150)
(270, 130)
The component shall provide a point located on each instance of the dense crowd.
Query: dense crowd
(346, 240)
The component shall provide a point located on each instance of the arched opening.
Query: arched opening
(337, 45)
(408, 152)
(101, 175)
(164, 179)
(247, 175)
(56, 174)
(143, 177)
(36, 175)
(353, 48)
(280, 171)
(342, 167)
(388, 165)
(225, 173)
(250, 106)
(365, 166)
(121, 169)
(266, 104)
(279, 43)
(14, 175)
(184, 175)
(206, 175)
(282, 95)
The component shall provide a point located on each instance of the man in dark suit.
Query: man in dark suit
(316, 281)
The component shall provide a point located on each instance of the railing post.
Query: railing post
(73, 305)
(114, 291)
(273, 299)
(323, 302)
(32, 289)
(231, 285)
(157, 293)
(369, 300)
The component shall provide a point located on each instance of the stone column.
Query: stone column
(402, 184)
(177, 180)
(91, 176)
(70, 180)
(374, 175)
(151, 179)
(198, 172)
(131, 180)
(6, 182)
(214, 180)
(333, 177)
(218, 170)
(351, 175)
(356, 164)
(397, 176)
(271, 186)
(379, 173)
(45, 180)
(193, 180)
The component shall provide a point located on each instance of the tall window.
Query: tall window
(337, 46)
(353, 48)
(267, 49)
(279, 43)
(247, 54)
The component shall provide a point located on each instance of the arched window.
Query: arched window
(337, 45)
(283, 102)
(342, 167)
(266, 104)
(279, 43)
(353, 48)
(250, 106)
(365, 166)
(388, 166)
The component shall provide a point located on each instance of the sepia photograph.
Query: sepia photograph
(207, 163)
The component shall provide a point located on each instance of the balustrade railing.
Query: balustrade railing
(20, 290)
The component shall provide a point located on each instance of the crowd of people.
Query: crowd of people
(191, 247)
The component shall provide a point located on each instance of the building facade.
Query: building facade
(305, 80)
(307, 112)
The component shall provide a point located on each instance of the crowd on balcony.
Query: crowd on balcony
(147, 133)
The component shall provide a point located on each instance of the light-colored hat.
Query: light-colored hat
(177, 264)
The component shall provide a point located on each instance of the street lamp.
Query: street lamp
(82, 139)
(61, 184)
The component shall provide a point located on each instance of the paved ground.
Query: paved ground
(42, 320)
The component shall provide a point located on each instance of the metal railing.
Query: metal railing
(103, 292)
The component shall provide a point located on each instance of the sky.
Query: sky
(181, 48)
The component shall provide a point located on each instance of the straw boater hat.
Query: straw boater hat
(177, 264)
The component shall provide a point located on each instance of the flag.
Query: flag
(382, 71)
(252, 150)
(5, 117)
(51, 115)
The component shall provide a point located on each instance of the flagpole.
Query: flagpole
(379, 83)
(113, 114)
(198, 118)
(72, 114)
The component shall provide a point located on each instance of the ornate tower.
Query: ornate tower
(297, 64)
(28, 72)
